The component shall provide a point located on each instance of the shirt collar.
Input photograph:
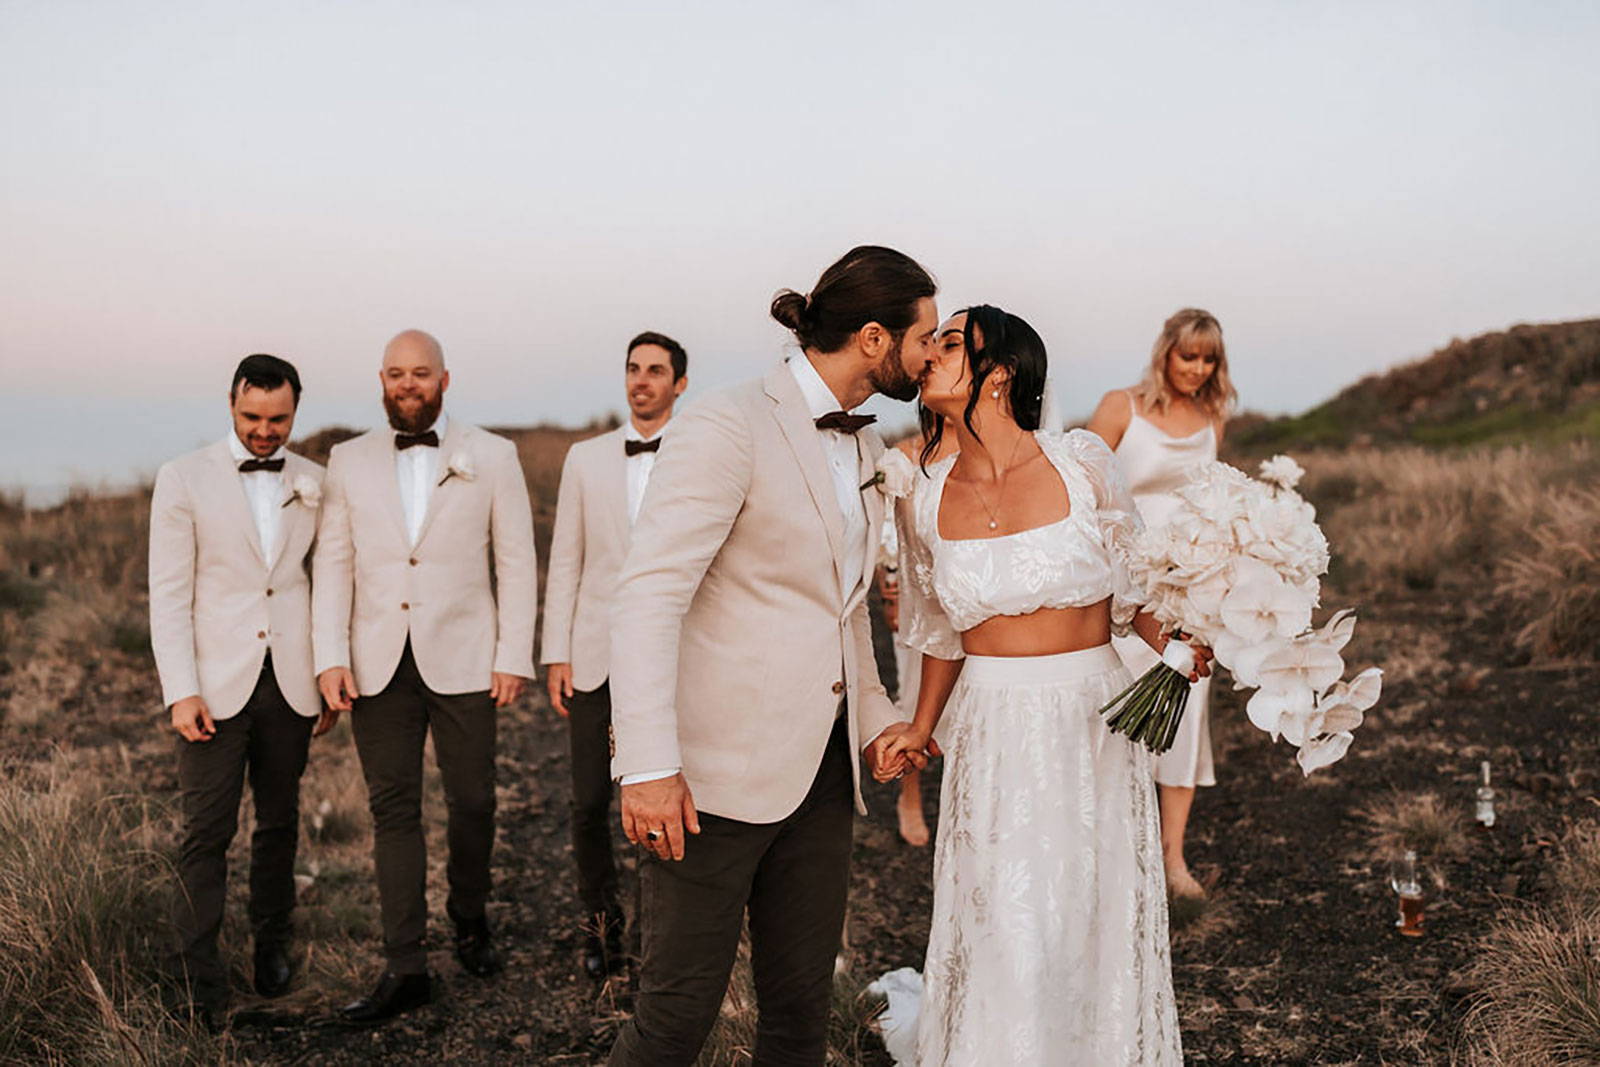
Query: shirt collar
(819, 398)
(441, 426)
(633, 434)
(241, 453)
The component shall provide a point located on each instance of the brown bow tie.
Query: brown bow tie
(633, 448)
(844, 422)
(403, 441)
(273, 465)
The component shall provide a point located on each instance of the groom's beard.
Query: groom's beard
(889, 377)
(424, 417)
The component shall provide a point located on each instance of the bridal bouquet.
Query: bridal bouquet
(1238, 566)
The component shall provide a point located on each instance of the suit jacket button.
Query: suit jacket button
(838, 687)
(412, 561)
(261, 634)
(405, 607)
(269, 592)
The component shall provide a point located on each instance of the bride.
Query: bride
(1048, 942)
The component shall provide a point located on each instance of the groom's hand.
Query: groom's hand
(192, 719)
(897, 749)
(663, 805)
(338, 688)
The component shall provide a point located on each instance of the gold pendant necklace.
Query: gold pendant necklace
(1000, 497)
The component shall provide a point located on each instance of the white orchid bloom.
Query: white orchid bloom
(1306, 662)
(1260, 605)
(1341, 707)
(1281, 712)
(1323, 751)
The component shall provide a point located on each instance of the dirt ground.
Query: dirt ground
(1293, 960)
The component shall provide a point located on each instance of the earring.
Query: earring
(995, 394)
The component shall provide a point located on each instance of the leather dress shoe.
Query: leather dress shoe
(395, 994)
(273, 970)
(475, 949)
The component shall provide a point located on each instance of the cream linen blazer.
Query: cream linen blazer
(373, 589)
(732, 641)
(586, 552)
(216, 601)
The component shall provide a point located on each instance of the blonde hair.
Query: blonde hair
(1217, 396)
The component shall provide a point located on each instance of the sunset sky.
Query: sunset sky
(1345, 186)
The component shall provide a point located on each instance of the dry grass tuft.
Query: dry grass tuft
(1537, 974)
(1420, 821)
(82, 901)
(1553, 585)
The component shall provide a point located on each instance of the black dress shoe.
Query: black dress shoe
(395, 994)
(273, 970)
(475, 949)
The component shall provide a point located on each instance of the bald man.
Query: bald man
(422, 621)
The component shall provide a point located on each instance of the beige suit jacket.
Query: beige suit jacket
(586, 552)
(732, 640)
(217, 603)
(373, 589)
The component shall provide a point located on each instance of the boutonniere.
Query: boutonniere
(304, 489)
(460, 466)
(895, 475)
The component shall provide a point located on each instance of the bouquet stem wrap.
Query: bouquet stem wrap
(1150, 709)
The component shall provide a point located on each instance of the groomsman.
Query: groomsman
(602, 484)
(744, 687)
(423, 616)
(231, 529)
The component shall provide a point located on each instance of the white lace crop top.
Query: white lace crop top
(1074, 562)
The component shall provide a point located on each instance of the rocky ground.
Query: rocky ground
(1294, 959)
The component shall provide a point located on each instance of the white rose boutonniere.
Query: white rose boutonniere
(305, 490)
(460, 466)
(895, 476)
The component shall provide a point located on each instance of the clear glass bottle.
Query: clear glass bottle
(1484, 811)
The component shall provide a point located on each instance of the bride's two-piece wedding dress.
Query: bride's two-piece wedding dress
(1048, 943)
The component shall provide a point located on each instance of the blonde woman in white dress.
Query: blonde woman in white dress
(1160, 429)
(1048, 941)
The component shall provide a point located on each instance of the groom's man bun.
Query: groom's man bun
(869, 283)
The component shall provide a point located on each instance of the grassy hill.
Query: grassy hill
(1529, 384)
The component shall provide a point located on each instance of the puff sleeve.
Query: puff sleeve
(923, 623)
(1117, 517)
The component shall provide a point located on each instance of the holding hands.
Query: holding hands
(901, 747)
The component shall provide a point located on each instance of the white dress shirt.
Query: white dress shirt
(264, 491)
(639, 467)
(418, 471)
(844, 464)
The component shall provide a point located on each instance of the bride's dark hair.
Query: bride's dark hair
(995, 338)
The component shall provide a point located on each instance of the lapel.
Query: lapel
(794, 419)
(234, 501)
(872, 502)
(612, 469)
(385, 473)
(290, 515)
(448, 447)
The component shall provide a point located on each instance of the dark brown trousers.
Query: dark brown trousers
(391, 728)
(266, 741)
(589, 735)
(792, 877)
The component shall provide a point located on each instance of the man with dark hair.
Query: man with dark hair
(268, 373)
(602, 483)
(743, 685)
(231, 528)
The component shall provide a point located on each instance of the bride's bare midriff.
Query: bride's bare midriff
(1045, 632)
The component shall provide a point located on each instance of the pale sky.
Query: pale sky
(1345, 186)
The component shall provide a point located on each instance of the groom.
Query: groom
(744, 684)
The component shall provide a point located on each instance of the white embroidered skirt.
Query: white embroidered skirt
(1048, 943)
